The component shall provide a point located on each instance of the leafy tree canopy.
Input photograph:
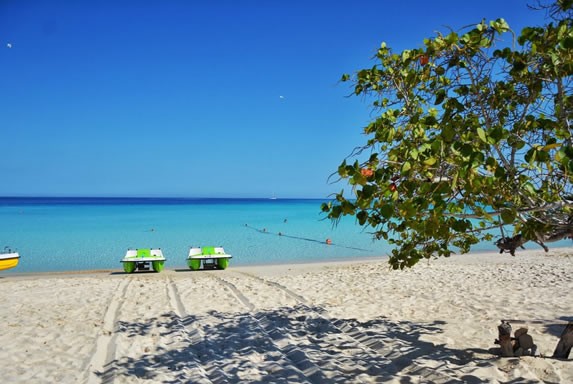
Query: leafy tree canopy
(472, 140)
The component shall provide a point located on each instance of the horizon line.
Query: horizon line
(153, 197)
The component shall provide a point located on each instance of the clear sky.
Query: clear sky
(197, 98)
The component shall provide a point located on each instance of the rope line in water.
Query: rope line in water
(264, 231)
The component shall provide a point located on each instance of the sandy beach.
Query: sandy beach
(341, 322)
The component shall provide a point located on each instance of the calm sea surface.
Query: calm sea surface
(63, 234)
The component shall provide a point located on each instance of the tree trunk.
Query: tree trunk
(565, 343)
(505, 339)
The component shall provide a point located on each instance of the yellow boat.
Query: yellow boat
(8, 259)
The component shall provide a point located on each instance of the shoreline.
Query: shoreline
(183, 268)
(342, 260)
(345, 321)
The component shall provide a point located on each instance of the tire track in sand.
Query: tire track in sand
(280, 367)
(308, 361)
(169, 359)
(193, 370)
(104, 353)
(377, 345)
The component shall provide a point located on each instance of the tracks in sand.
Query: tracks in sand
(105, 343)
(374, 343)
(244, 337)
(314, 343)
(145, 336)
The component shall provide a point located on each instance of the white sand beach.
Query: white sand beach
(342, 322)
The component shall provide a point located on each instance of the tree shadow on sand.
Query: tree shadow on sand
(290, 344)
(556, 328)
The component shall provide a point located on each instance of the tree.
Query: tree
(472, 139)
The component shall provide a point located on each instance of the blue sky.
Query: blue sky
(197, 98)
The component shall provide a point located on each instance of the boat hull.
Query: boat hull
(143, 260)
(9, 260)
(209, 257)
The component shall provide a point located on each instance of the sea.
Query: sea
(79, 233)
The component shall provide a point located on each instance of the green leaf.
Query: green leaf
(454, 184)
(414, 154)
(430, 161)
(440, 96)
(461, 225)
(496, 135)
(368, 191)
(467, 150)
(560, 155)
(481, 135)
(448, 133)
(529, 188)
(567, 42)
(551, 146)
(335, 212)
(387, 210)
(362, 216)
(499, 25)
(508, 216)
(530, 155)
(359, 179)
(430, 120)
(343, 170)
(347, 207)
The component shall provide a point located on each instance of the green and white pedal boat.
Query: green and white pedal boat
(208, 257)
(143, 259)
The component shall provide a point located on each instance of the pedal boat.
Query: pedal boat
(209, 257)
(143, 260)
(8, 259)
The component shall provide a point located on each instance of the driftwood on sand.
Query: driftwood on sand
(522, 343)
(519, 345)
(565, 343)
(504, 340)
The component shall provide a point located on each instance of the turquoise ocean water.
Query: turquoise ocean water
(69, 234)
(63, 234)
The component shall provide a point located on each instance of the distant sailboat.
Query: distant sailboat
(273, 197)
